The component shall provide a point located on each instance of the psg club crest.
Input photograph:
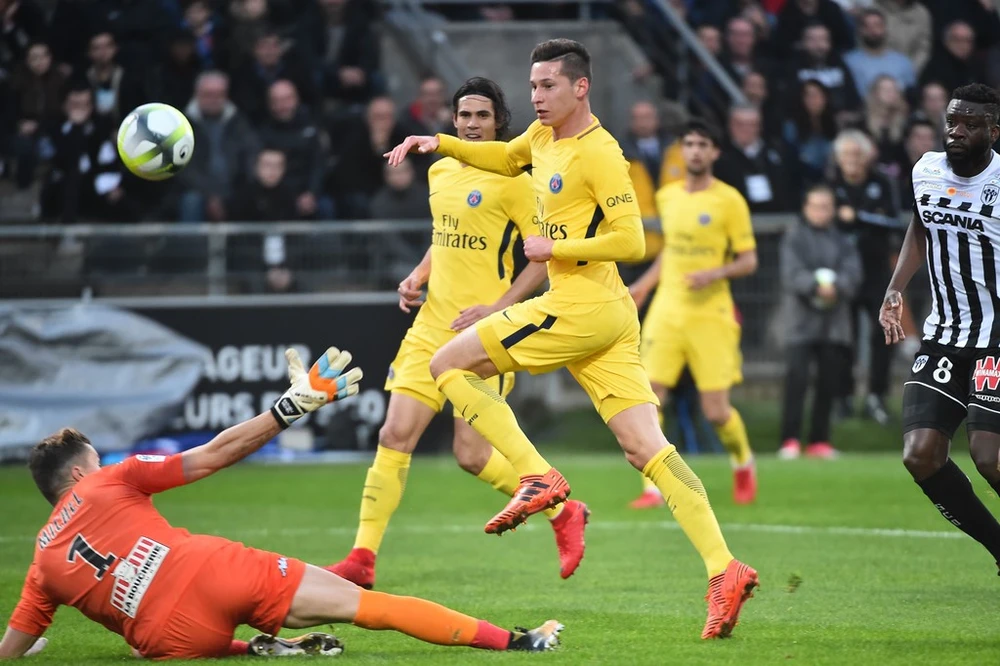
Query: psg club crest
(919, 363)
(704, 219)
(990, 194)
(475, 198)
(555, 183)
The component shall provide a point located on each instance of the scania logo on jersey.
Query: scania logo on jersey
(919, 363)
(555, 183)
(987, 374)
(952, 219)
(989, 194)
(475, 198)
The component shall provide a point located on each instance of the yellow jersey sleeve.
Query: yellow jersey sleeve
(519, 204)
(739, 228)
(505, 158)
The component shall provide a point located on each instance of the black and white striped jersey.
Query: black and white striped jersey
(962, 228)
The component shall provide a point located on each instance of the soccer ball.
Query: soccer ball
(155, 141)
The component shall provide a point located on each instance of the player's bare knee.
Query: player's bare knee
(469, 456)
(441, 362)
(923, 454)
(984, 448)
(397, 436)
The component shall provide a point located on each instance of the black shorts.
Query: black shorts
(947, 384)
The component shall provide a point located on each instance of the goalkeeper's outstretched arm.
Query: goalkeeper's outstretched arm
(328, 380)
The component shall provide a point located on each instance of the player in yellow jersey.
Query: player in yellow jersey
(588, 219)
(477, 218)
(707, 240)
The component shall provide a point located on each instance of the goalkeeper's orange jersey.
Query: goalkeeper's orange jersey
(108, 552)
(477, 217)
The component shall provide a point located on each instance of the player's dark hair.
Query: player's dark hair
(979, 93)
(703, 129)
(484, 87)
(50, 458)
(573, 55)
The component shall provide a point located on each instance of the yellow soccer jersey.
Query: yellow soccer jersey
(701, 231)
(477, 218)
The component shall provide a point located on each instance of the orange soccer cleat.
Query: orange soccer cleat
(727, 593)
(745, 483)
(358, 567)
(536, 493)
(649, 499)
(569, 527)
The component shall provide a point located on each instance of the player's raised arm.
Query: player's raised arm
(911, 257)
(505, 158)
(325, 382)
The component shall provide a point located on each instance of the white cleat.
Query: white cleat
(316, 644)
(545, 637)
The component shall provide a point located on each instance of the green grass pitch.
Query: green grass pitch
(884, 579)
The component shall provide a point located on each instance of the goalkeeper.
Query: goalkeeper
(107, 552)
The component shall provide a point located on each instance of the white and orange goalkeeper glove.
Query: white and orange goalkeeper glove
(325, 382)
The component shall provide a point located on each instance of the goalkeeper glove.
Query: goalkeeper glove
(325, 382)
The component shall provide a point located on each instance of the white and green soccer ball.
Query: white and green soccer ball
(155, 141)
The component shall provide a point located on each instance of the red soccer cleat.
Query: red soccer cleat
(790, 449)
(727, 593)
(358, 567)
(745, 483)
(569, 526)
(536, 493)
(822, 450)
(649, 499)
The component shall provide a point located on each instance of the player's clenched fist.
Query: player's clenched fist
(325, 382)
(538, 248)
(419, 144)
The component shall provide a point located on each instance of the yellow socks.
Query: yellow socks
(384, 487)
(733, 436)
(500, 474)
(688, 501)
(491, 416)
(648, 486)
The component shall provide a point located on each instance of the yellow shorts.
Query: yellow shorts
(410, 371)
(708, 344)
(598, 342)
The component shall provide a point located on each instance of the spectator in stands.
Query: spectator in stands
(289, 129)
(430, 112)
(933, 104)
(138, 27)
(753, 166)
(954, 65)
(248, 20)
(740, 57)
(269, 198)
(117, 89)
(270, 63)
(711, 38)
(980, 13)
(37, 93)
(22, 22)
(757, 90)
(921, 137)
(209, 34)
(909, 27)
(402, 197)
(886, 116)
(811, 130)
(866, 210)
(180, 69)
(873, 58)
(358, 172)
(226, 149)
(797, 14)
(818, 61)
(84, 181)
(820, 274)
(349, 51)
(654, 156)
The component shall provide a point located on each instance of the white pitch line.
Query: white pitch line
(609, 526)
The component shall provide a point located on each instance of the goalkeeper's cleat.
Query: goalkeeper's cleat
(358, 567)
(315, 644)
(649, 499)
(727, 593)
(569, 527)
(545, 637)
(745, 483)
(535, 494)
